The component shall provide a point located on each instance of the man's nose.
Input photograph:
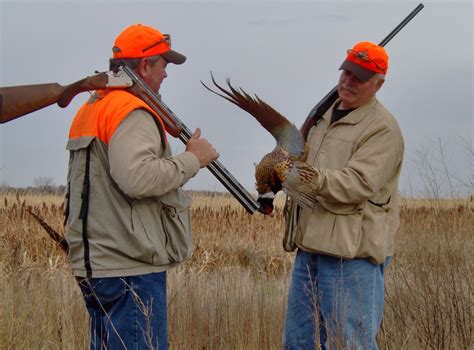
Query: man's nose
(351, 77)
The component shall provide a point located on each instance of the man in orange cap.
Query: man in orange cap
(127, 216)
(344, 243)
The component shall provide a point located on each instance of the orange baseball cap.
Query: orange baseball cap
(138, 41)
(365, 60)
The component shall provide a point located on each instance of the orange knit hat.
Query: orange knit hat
(366, 59)
(139, 41)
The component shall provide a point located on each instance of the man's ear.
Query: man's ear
(143, 67)
(379, 84)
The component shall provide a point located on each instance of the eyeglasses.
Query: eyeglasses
(363, 56)
(166, 39)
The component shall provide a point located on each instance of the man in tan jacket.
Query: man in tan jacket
(127, 216)
(345, 242)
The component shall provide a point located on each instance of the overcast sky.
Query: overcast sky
(287, 52)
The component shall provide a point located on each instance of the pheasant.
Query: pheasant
(283, 168)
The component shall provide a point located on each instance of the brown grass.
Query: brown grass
(232, 293)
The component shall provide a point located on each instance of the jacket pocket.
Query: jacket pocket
(331, 229)
(375, 232)
(347, 230)
(176, 221)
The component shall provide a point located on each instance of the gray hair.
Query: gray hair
(115, 63)
(380, 76)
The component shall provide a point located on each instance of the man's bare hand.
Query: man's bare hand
(202, 149)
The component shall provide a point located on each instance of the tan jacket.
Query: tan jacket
(138, 220)
(359, 159)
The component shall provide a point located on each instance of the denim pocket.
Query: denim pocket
(104, 291)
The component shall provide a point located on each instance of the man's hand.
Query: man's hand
(202, 149)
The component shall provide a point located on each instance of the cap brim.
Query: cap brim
(360, 72)
(174, 57)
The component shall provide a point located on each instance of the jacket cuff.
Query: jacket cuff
(190, 164)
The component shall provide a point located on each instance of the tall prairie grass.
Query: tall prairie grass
(232, 293)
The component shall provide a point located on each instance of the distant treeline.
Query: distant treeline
(61, 190)
(34, 190)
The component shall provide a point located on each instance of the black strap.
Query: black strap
(84, 211)
(66, 211)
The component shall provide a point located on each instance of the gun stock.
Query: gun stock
(318, 111)
(17, 101)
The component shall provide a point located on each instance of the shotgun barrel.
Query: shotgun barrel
(322, 106)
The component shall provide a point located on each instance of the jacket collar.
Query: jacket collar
(353, 117)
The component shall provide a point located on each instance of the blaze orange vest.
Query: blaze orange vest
(101, 115)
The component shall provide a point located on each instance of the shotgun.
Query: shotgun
(179, 130)
(327, 101)
(17, 101)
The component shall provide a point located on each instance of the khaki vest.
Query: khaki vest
(110, 234)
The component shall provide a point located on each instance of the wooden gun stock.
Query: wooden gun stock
(16, 101)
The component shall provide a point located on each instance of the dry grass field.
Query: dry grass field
(232, 293)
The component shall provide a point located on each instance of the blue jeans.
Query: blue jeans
(127, 312)
(334, 303)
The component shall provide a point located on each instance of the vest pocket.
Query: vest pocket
(162, 228)
(147, 244)
(176, 221)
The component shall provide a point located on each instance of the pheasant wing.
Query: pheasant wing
(285, 133)
(298, 180)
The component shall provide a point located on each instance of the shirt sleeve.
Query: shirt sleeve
(136, 164)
